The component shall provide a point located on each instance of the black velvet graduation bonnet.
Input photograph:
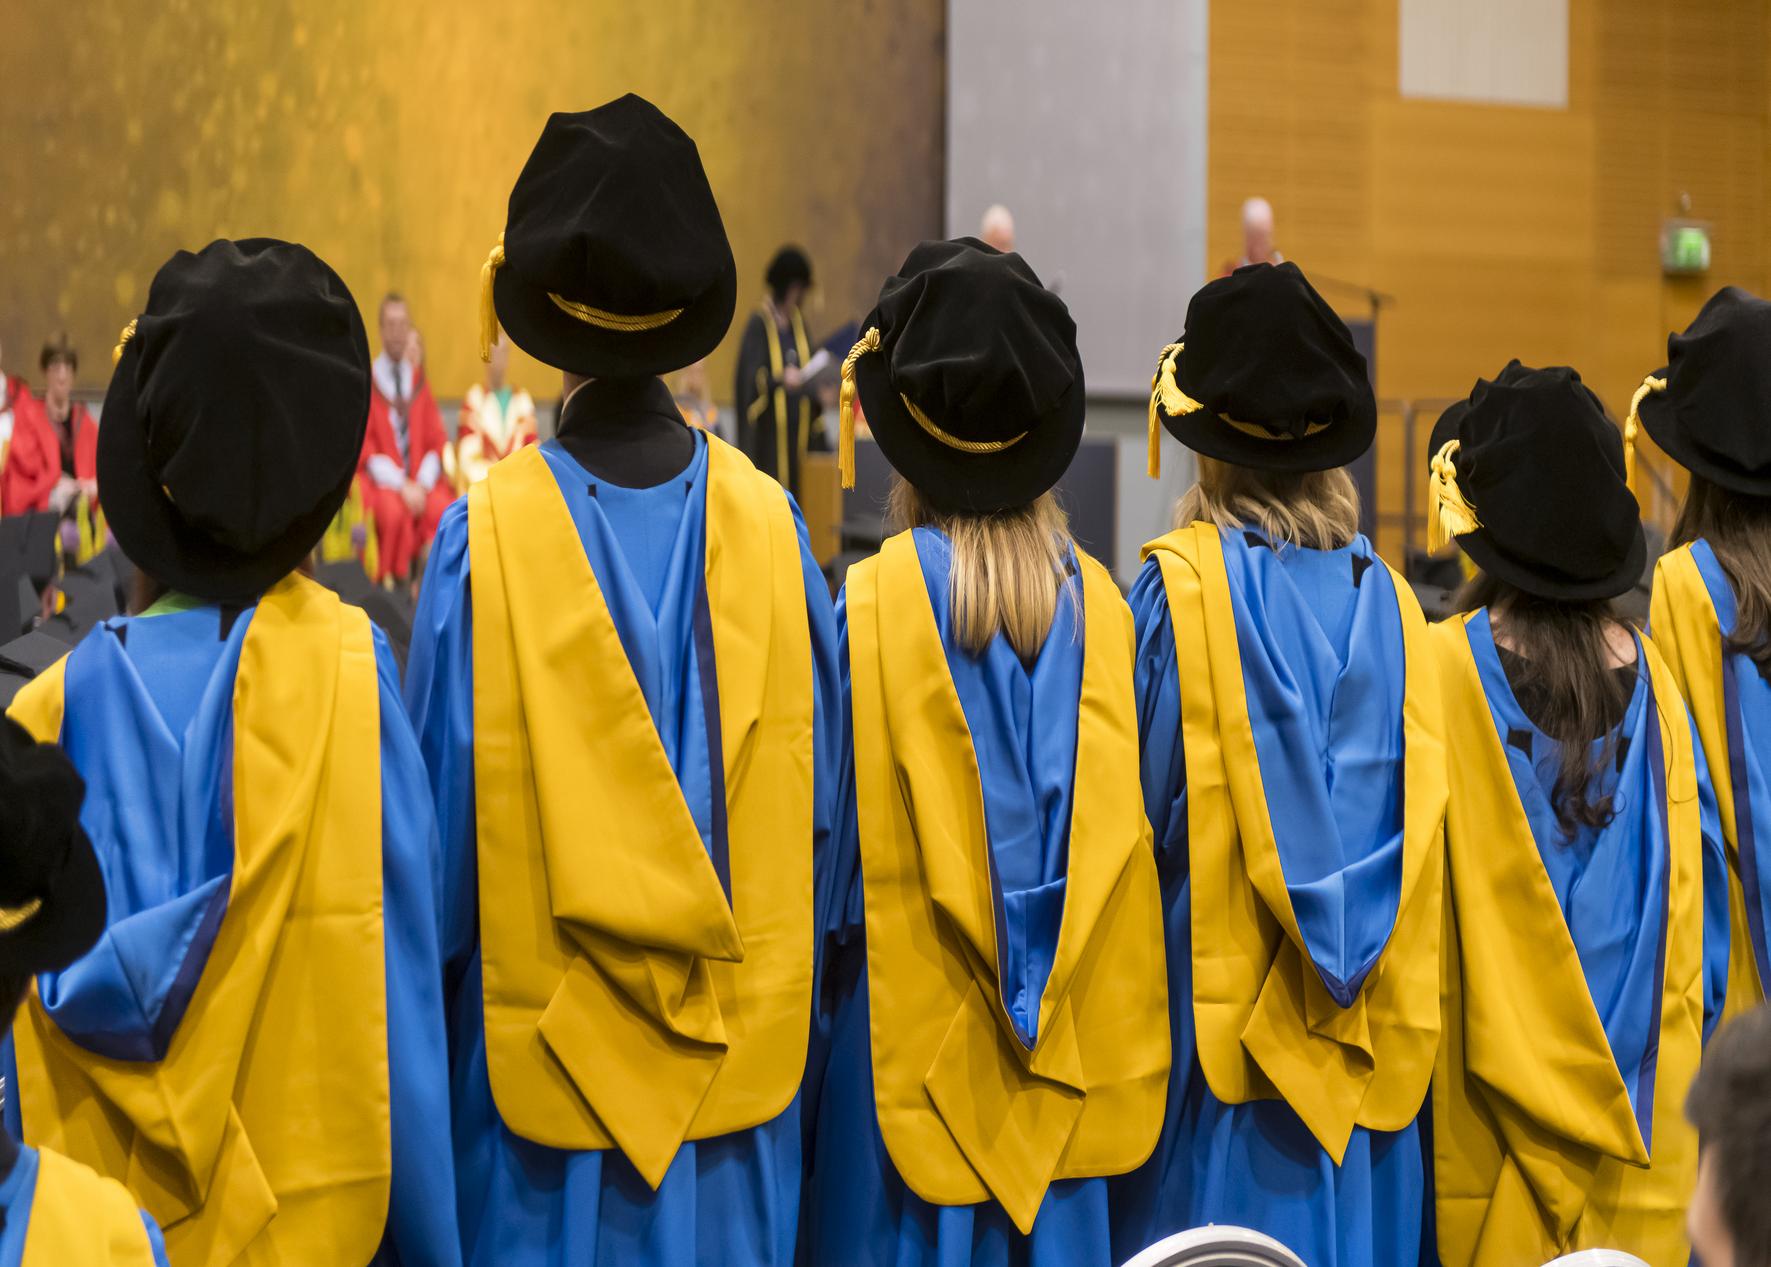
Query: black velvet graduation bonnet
(614, 261)
(52, 894)
(234, 420)
(1265, 376)
(1710, 407)
(1528, 476)
(970, 378)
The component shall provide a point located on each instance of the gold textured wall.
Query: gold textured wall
(386, 137)
(1502, 231)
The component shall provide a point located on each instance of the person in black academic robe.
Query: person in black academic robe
(778, 416)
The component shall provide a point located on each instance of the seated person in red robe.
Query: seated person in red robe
(74, 428)
(29, 467)
(402, 470)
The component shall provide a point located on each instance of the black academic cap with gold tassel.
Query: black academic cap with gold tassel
(1528, 479)
(970, 379)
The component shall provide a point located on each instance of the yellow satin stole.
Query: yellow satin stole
(1685, 630)
(80, 1217)
(967, 1112)
(263, 1135)
(1267, 1027)
(627, 1005)
(1537, 1151)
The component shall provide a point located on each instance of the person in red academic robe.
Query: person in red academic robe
(28, 466)
(401, 474)
(72, 425)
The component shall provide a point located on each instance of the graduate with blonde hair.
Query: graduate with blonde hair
(1586, 947)
(1711, 612)
(991, 1009)
(1293, 771)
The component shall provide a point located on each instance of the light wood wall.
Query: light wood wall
(1502, 231)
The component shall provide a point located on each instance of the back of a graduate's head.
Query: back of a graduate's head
(1737, 527)
(1318, 510)
(1730, 1105)
(1008, 565)
(52, 897)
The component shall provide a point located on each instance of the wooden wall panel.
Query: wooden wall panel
(1502, 231)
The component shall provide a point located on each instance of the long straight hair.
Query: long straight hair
(1738, 528)
(1567, 664)
(1318, 510)
(1008, 566)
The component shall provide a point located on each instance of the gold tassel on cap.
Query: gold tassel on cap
(1174, 402)
(1450, 514)
(1632, 426)
(123, 338)
(845, 447)
(489, 314)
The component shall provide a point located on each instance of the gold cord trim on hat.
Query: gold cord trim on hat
(12, 917)
(845, 447)
(128, 334)
(1632, 426)
(614, 320)
(1166, 394)
(1451, 514)
(953, 441)
(488, 313)
(1259, 432)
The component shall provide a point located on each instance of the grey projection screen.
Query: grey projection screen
(1087, 119)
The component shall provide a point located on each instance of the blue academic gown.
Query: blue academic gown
(1611, 881)
(733, 1199)
(1312, 614)
(18, 1189)
(149, 708)
(1023, 723)
(1746, 700)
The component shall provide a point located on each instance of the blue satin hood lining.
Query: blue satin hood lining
(1324, 675)
(1746, 699)
(665, 624)
(160, 814)
(1610, 882)
(1023, 722)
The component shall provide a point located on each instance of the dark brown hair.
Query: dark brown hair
(1567, 666)
(1738, 528)
(57, 348)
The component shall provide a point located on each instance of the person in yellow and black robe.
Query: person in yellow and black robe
(256, 1044)
(992, 1036)
(1293, 770)
(53, 1210)
(1711, 613)
(776, 409)
(1586, 912)
(623, 677)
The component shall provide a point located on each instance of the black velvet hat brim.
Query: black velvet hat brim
(70, 920)
(1661, 421)
(1206, 433)
(1537, 577)
(542, 329)
(158, 541)
(969, 483)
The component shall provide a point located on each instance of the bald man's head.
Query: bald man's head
(1257, 230)
(998, 228)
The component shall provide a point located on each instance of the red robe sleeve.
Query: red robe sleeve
(85, 443)
(33, 461)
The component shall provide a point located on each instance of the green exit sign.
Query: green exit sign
(1684, 247)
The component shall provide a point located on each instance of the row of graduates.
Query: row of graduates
(983, 919)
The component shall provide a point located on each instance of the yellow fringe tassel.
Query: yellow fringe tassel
(1451, 515)
(128, 334)
(1632, 426)
(845, 446)
(488, 313)
(1166, 395)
